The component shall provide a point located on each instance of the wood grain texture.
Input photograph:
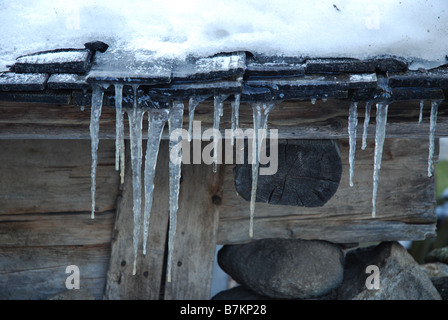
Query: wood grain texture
(195, 242)
(45, 222)
(55, 229)
(194, 246)
(33, 273)
(54, 176)
(405, 203)
(293, 119)
(146, 283)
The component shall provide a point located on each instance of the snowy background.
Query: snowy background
(176, 28)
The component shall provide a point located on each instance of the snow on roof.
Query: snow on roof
(415, 29)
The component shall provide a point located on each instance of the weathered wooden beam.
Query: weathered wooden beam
(405, 203)
(194, 246)
(293, 119)
(54, 176)
(197, 227)
(55, 229)
(33, 273)
(147, 283)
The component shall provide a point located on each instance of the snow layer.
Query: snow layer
(326, 28)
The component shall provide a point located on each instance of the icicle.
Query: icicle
(235, 116)
(118, 124)
(260, 115)
(135, 116)
(352, 125)
(218, 112)
(432, 130)
(97, 103)
(420, 117)
(380, 135)
(192, 103)
(157, 119)
(313, 101)
(366, 125)
(175, 122)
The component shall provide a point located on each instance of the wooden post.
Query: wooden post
(194, 245)
(146, 283)
(197, 228)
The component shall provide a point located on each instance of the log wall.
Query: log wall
(45, 200)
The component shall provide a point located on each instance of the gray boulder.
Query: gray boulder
(285, 268)
(238, 293)
(400, 276)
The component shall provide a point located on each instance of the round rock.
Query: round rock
(285, 268)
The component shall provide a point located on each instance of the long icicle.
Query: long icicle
(175, 123)
(380, 135)
(235, 116)
(97, 103)
(119, 131)
(157, 119)
(192, 104)
(366, 125)
(260, 116)
(432, 130)
(218, 112)
(135, 130)
(352, 126)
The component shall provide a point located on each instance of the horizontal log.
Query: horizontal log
(32, 273)
(405, 202)
(293, 119)
(54, 176)
(55, 229)
(291, 227)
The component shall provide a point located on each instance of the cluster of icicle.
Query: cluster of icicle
(157, 119)
(380, 135)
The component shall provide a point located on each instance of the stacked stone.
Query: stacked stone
(310, 269)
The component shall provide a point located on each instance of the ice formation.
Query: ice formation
(366, 125)
(260, 116)
(192, 103)
(235, 116)
(218, 112)
(97, 103)
(157, 119)
(420, 117)
(119, 132)
(175, 123)
(432, 130)
(352, 126)
(380, 135)
(135, 116)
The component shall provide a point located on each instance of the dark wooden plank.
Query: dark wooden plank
(195, 242)
(31, 273)
(405, 203)
(55, 229)
(292, 227)
(293, 119)
(54, 176)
